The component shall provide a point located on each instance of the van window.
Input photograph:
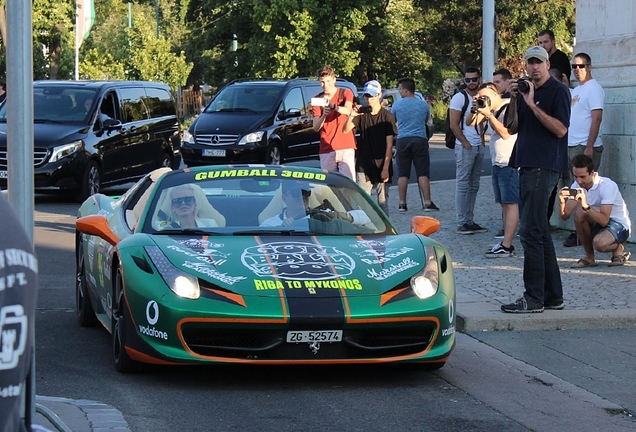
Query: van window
(62, 104)
(159, 102)
(255, 98)
(294, 101)
(133, 107)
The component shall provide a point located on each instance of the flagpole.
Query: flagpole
(76, 42)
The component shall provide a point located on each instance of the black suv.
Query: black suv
(256, 121)
(89, 134)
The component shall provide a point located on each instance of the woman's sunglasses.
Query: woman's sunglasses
(178, 202)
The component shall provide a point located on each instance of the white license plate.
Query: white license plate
(216, 153)
(314, 336)
(3, 174)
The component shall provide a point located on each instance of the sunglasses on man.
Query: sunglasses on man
(473, 79)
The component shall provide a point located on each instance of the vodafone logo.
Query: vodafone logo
(152, 312)
(451, 312)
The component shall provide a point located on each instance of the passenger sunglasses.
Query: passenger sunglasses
(178, 202)
(579, 66)
(473, 79)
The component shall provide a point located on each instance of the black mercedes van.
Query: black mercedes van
(90, 134)
(256, 121)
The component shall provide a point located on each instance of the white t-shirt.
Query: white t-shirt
(585, 98)
(471, 134)
(605, 191)
(501, 149)
(359, 218)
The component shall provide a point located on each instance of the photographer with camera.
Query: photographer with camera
(469, 154)
(541, 117)
(337, 149)
(412, 115)
(490, 107)
(600, 213)
(377, 128)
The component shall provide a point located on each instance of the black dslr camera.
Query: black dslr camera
(482, 102)
(523, 84)
(365, 109)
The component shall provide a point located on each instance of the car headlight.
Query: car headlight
(426, 282)
(252, 138)
(188, 138)
(65, 150)
(181, 283)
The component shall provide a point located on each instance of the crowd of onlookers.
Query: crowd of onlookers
(545, 147)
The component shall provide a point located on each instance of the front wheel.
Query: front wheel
(120, 323)
(274, 154)
(91, 181)
(165, 161)
(83, 309)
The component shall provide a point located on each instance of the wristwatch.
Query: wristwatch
(586, 208)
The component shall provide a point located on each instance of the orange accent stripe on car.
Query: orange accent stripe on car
(236, 298)
(145, 358)
(281, 293)
(386, 297)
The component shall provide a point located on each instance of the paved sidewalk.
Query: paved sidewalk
(598, 297)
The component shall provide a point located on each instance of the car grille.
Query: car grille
(263, 344)
(39, 156)
(216, 139)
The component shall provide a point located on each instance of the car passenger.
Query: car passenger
(185, 209)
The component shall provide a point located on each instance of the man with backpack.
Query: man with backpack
(337, 149)
(469, 152)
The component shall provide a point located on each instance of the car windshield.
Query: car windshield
(269, 200)
(246, 98)
(60, 105)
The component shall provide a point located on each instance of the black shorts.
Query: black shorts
(412, 150)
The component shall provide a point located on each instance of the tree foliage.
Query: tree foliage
(213, 41)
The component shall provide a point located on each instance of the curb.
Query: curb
(79, 415)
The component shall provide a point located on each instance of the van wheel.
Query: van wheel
(165, 161)
(274, 155)
(91, 181)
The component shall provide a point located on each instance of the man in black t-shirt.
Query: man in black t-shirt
(539, 111)
(375, 146)
(18, 296)
(556, 57)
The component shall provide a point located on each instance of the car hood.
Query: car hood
(249, 265)
(232, 123)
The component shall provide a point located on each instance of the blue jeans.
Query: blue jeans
(467, 173)
(541, 274)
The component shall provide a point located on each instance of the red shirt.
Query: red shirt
(331, 136)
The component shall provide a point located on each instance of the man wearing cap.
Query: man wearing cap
(539, 112)
(375, 144)
(412, 114)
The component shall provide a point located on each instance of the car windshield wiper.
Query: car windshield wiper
(273, 231)
(236, 110)
(47, 121)
(188, 231)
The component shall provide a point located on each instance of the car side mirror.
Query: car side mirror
(111, 124)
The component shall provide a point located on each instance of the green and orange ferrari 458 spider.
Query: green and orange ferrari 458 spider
(264, 265)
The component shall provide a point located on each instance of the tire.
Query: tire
(274, 155)
(91, 181)
(165, 161)
(83, 309)
(120, 323)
